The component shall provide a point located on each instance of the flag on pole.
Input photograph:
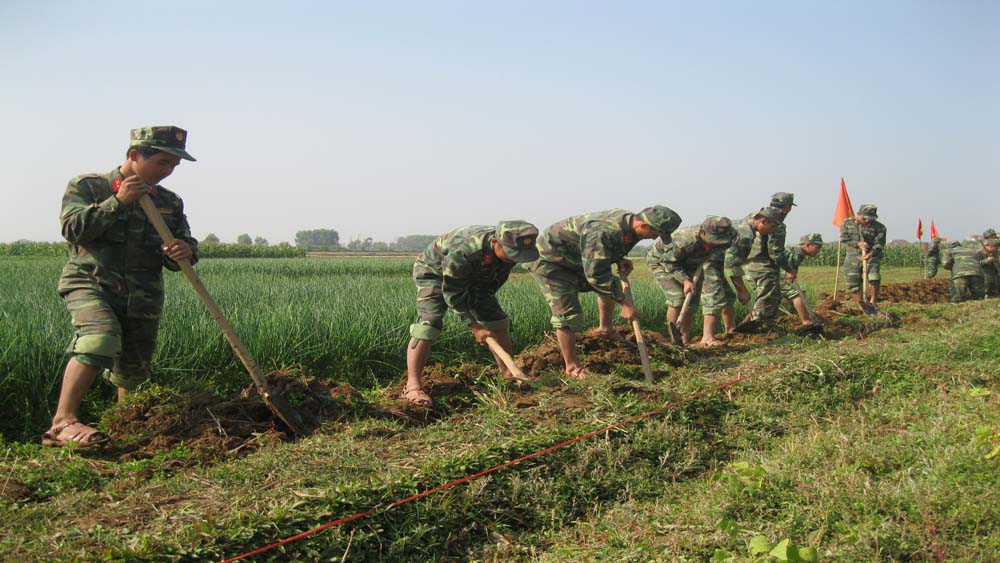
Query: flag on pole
(920, 229)
(844, 207)
(934, 233)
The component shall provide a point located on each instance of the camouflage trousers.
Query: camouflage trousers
(562, 289)
(104, 337)
(932, 268)
(788, 290)
(765, 281)
(964, 288)
(991, 281)
(431, 308)
(853, 270)
(717, 292)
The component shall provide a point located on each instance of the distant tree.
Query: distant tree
(412, 243)
(284, 244)
(211, 239)
(260, 241)
(899, 242)
(244, 239)
(318, 237)
(379, 246)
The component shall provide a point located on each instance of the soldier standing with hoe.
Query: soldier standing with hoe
(576, 255)
(864, 238)
(113, 282)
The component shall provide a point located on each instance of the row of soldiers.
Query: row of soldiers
(974, 264)
(715, 263)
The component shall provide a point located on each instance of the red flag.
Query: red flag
(934, 233)
(920, 229)
(844, 208)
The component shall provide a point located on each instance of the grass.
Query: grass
(866, 450)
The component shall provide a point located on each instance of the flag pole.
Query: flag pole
(836, 275)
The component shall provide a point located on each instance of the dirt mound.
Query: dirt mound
(926, 292)
(214, 427)
(600, 354)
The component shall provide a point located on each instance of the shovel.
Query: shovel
(647, 370)
(276, 404)
(675, 328)
(866, 307)
(508, 361)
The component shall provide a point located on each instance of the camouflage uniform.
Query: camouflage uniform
(966, 270)
(765, 261)
(794, 257)
(854, 231)
(736, 257)
(460, 270)
(576, 255)
(933, 258)
(991, 276)
(113, 282)
(673, 264)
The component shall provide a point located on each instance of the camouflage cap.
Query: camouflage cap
(166, 138)
(718, 230)
(954, 244)
(868, 211)
(782, 199)
(518, 240)
(935, 240)
(772, 214)
(811, 238)
(989, 233)
(663, 219)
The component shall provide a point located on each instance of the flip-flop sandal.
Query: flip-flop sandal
(579, 373)
(413, 396)
(83, 438)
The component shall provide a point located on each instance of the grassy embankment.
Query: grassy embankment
(866, 450)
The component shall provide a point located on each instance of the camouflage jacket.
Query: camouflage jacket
(767, 249)
(464, 261)
(963, 260)
(933, 259)
(852, 232)
(681, 258)
(588, 245)
(795, 256)
(113, 247)
(736, 256)
(988, 267)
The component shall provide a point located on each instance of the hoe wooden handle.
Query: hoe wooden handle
(690, 296)
(153, 214)
(647, 370)
(508, 361)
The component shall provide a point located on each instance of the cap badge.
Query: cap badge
(180, 136)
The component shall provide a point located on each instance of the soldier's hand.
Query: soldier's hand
(132, 189)
(629, 312)
(743, 295)
(863, 245)
(688, 287)
(177, 250)
(625, 267)
(480, 333)
(991, 259)
(790, 276)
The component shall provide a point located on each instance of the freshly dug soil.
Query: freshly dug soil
(600, 355)
(926, 292)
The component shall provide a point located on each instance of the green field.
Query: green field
(873, 448)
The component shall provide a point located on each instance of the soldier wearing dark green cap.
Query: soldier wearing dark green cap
(966, 270)
(462, 270)
(577, 254)
(933, 258)
(864, 237)
(766, 260)
(988, 259)
(749, 232)
(113, 282)
(809, 245)
(675, 266)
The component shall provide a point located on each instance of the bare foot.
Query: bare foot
(417, 396)
(712, 343)
(609, 334)
(577, 373)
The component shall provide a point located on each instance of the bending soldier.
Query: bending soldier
(966, 270)
(809, 245)
(765, 261)
(749, 231)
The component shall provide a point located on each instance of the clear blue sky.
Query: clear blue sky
(384, 119)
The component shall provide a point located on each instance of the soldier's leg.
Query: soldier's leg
(138, 344)
(768, 294)
(959, 288)
(874, 278)
(992, 280)
(852, 275)
(718, 297)
(95, 345)
(487, 313)
(977, 287)
(562, 292)
(431, 309)
(674, 293)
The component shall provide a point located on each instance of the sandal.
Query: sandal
(416, 396)
(578, 373)
(74, 434)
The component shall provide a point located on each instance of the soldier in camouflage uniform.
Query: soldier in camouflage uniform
(933, 258)
(113, 282)
(988, 258)
(765, 261)
(864, 238)
(675, 265)
(966, 270)
(576, 256)
(809, 245)
(749, 230)
(462, 270)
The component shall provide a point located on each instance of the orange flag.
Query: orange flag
(844, 208)
(920, 228)
(934, 233)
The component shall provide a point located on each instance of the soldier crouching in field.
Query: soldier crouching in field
(680, 268)
(750, 232)
(462, 270)
(113, 282)
(864, 239)
(576, 255)
(809, 245)
(966, 270)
